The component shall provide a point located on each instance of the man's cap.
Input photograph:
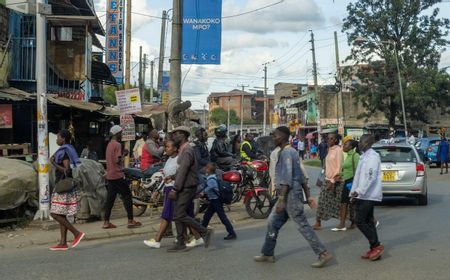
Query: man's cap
(115, 129)
(347, 138)
(183, 129)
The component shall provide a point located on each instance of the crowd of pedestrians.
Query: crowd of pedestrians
(351, 188)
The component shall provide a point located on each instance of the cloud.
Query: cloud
(248, 41)
(288, 16)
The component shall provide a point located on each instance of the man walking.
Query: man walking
(115, 177)
(323, 151)
(366, 192)
(290, 187)
(301, 148)
(184, 190)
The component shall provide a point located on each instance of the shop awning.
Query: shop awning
(14, 94)
(100, 73)
(77, 104)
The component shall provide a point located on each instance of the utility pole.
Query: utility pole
(242, 109)
(228, 117)
(152, 65)
(140, 74)
(162, 46)
(127, 67)
(175, 60)
(265, 97)
(316, 86)
(339, 97)
(144, 69)
(42, 121)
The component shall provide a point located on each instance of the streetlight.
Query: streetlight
(392, 42)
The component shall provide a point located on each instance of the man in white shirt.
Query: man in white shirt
(366, 192)
(411, 139)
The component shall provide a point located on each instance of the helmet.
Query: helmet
(221, 131)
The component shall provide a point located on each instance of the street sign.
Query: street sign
(128, 101)
(129, 128)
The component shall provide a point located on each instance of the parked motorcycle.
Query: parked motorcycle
(143, 189)
(251, 180)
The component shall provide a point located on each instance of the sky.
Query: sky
(278, 34)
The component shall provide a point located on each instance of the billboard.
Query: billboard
(202, 32)
(115, 22)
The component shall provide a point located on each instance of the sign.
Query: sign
(165, 98)
(128, 101)
(129, 128)
(165, 88)
(201, 32)
(6, 116)
(291, 111)
(115, 12)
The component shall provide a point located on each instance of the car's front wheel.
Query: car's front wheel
(422, 199)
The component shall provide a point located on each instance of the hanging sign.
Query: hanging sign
(128, 128)
(115, 12)
(128, 101)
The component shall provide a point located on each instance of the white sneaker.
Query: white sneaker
(377, 224)
(152, 243)
(195, 242)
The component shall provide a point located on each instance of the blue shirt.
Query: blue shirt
(287, 170)
(212, 187)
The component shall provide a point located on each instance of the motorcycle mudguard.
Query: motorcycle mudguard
(249, 193)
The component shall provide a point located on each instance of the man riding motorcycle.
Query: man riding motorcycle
(247, 150)
(220, 152)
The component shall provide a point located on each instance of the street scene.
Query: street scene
(224, 139)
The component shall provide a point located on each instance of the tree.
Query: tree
(220, 116)
(413, 29)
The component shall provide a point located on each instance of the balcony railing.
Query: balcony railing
(23, 64)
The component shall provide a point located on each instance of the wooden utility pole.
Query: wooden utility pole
(242, 109)
(152, 65)
(162, 46)
(339, 101)
(316, 86)
(175, 61)
(144, 70)
(140, 74)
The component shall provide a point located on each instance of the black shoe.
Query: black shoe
(177, 248)
(207, 237)
(230, 237)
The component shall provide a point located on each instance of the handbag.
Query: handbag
(65, 185)
(321, 179)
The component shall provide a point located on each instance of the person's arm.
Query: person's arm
(248, 150)
(186, 160)
(211, 186)
(198, 155)
(303, 169)
(222, 150)
(154, 150)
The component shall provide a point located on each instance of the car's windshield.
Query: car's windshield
(396, 154)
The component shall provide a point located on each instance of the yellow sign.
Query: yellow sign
(165, 98)
(133, 98)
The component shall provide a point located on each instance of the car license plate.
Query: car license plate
(389, 176)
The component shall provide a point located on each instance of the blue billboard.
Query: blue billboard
(115, 15)
(202, 32)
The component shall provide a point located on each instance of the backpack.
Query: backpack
(225, 191)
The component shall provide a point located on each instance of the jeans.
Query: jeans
(216, 206)
(365, 221)
(294, 210)
(115, 187)
(181, 217)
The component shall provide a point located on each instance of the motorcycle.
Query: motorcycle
(247, 180)
(143, 190)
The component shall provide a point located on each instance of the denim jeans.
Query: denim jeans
(294, 210)
(365, 221)
(216, 206)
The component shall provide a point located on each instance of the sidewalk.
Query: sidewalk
(33, 235)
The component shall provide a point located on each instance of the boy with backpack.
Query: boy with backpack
(213, 194)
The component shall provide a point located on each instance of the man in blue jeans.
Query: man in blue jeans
(290, 185)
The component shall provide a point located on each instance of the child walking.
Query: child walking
(211, 191)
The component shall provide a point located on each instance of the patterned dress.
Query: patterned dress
(329, 202)
(64, 203)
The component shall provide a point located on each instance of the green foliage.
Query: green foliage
(413, 29)
(109, 94)
(219, 116)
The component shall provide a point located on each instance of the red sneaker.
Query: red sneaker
(59, 247)
(77, 239)
(376, 253)
(366, 256)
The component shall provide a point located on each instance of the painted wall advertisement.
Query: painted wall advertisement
(114, 46)
(129, 128)
(202, 32)
(129, 101)
(6, 117)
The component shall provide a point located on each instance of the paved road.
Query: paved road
(416, 238)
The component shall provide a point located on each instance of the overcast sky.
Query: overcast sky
(277, 33)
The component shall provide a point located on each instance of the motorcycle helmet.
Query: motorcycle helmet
(221, 131)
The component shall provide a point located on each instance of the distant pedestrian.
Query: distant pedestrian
(331, 192)
(366, 192)
(116, 181)
(443, 153)
(313, 150)
(211, 192)
(290, 186)
(301, 148)
(67, 203)
(185, 189)
(411, 139)
(323, 151)
(89, 152)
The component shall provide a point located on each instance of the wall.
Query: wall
(4, 56)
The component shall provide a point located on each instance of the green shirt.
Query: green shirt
(350, 161)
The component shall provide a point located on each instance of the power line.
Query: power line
(255, 10)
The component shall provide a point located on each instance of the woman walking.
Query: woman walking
(331, 192)
(443, 153)
(348, 172)
(65, 204)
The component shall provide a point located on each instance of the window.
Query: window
(396, 154)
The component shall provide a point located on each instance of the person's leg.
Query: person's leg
(442, 167)
(125, 192)
(162, 230)
(218, 207)
(110, 198)
(365, 221)
(275, 222)
(208, 215)
(62, 220)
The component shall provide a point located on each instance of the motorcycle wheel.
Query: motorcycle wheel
(237, 194)
(259, 206)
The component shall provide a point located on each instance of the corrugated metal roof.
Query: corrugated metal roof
(15, 94)
(77, 104)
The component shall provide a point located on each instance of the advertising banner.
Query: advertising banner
(6, 119)
(129, 128)
(165, 88)
(128, 101)
(202, 31)
(115, 22)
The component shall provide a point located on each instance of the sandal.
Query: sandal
(134, 224)
(316, 227)
(108, 225)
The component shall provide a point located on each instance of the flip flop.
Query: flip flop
(108, 225)
(134, 224)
